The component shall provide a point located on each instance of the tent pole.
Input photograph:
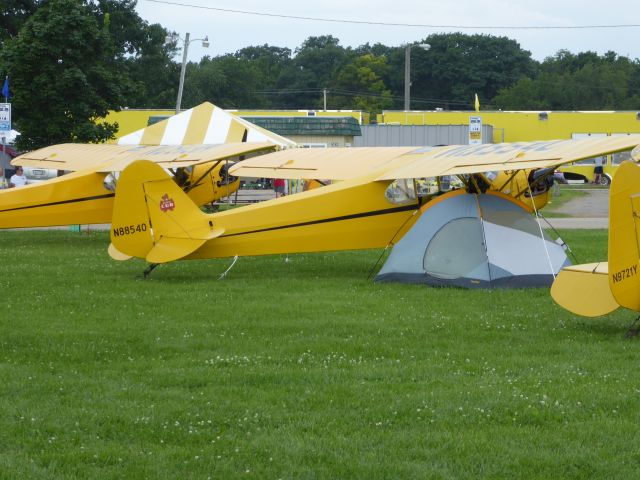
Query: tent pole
(484, 237)
(544, 242)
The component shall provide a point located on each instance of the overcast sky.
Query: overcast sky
(229, 32)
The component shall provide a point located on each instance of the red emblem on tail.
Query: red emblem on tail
(167, 203)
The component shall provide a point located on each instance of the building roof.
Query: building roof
(320, 126)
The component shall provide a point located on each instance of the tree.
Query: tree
(269, 63)
(13, 14)
(585, 81)
(152, 73)
(457, 67)
(314, 67)
(227, 81)
(140, 54)
(60, 76)
(362, 81)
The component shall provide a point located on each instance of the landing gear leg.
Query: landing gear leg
(149, 269)
(633, 330)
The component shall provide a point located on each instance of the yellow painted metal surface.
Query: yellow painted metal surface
(76, 198)
(319, 163)
(81, 198)
(516, 185)
(597, 289)
(352, 214)
(114, 158)
(412, 162)
(509, 126)
(207, 184)
(116, 254)
(584, 290)
(466, 159)
(624, 235)
(525, 126)
(131, 229)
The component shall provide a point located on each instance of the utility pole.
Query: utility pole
(324, 92)
(407, 73)
(185, 49)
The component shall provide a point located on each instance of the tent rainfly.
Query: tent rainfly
(474, 241)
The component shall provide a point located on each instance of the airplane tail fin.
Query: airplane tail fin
(624, 236)
(597, 289)
(154, 219)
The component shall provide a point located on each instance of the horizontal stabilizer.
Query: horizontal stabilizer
(168, 249)
(584, 290)
(117, 254)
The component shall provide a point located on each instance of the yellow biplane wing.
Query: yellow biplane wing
(412, 162)
(331, 163)
(114, 158)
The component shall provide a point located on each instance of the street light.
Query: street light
(174, 38)
(407, 72)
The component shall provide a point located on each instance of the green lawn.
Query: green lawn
(300, 369)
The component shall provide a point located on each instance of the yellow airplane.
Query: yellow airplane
(86, 195)
(596, 289)
(373, 205)
(195, 145)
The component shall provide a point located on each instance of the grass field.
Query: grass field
(300, 369)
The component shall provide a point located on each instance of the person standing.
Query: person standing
(598, 170)
(18, 179)
(278, 186)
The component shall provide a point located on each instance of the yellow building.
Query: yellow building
(507, 126)
(526, 126)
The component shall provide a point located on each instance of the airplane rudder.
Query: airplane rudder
(624, 235)
(131, 228)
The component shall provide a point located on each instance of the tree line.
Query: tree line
(71, 61)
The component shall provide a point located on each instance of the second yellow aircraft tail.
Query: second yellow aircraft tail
(624, 236)
(154, 219)
(597, 289)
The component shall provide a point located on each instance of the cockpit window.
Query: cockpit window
(401, 191)
(110, 181)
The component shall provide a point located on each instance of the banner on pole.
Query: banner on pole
(5, 117)
(475, 130)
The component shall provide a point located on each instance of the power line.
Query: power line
(352, 93)
(390, 24)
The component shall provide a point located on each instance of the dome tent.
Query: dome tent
(474, 241)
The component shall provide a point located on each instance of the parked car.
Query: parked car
(36, 175)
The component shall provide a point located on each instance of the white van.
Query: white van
(36, 175)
